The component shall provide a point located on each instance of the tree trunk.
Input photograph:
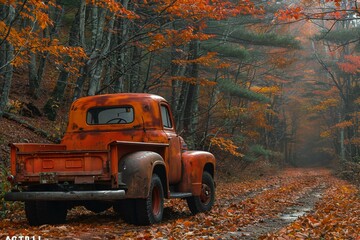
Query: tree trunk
(38, 62)
(214, 93)
(6, 75)
(135, 74)
(83, 70)
(342, 138)
(191, 101)
(175, 70)
(51, 106)
(6, 68)
(95, 63)
(120, 83)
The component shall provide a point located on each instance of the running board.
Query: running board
(180, 195)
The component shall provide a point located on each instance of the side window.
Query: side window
(165, 115)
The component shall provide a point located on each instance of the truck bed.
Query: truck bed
(52, 163)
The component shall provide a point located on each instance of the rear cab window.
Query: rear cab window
(110, 115)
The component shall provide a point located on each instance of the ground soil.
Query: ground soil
(256, 209)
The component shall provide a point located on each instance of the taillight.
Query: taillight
(11, 178)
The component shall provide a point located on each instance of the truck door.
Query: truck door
(174, 153)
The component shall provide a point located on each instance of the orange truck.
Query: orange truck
(120, 151)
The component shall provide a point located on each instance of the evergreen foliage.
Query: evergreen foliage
(265, 39)
(226, 49)
(234, 89)
(256, 151)
(339, 36)
(241, 35)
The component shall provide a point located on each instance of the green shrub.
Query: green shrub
(5, 186)
(256, 151)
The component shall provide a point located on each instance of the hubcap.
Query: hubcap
(205, 194)
(156, 201)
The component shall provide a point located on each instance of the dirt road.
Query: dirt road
(296, 203)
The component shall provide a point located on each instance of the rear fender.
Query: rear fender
(194, 164)
(136, 169)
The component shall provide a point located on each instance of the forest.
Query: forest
(257, 83)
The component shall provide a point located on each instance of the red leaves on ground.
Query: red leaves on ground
(238, 205)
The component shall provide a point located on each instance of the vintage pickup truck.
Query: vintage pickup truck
(120, 151)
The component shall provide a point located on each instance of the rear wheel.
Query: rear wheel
(150, 210)
(143, 211)
(126, 210)
(31, 213)
(45, 212)
(205, 201)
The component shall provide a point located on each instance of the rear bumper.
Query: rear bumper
(64, 196)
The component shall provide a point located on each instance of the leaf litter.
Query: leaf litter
(321, 206)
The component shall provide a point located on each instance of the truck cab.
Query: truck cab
(119, 150)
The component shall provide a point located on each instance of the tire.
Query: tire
(150, 210)
(45, 212)
(143, 211)
(126, 210)
(31, 213)
(205, 201)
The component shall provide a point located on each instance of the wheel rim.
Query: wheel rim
(156, 201)
(205, 196)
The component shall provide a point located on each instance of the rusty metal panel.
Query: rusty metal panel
(67, 164)
(136, 171)
(84, 179)
(145, 127)
(193, 167)
(35, 147)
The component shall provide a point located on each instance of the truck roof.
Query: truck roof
(145, 107)
(116, 98)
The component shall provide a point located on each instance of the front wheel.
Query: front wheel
(205, 201)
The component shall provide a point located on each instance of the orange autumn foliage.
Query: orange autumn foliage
(115, 7)
(324, 105)
(294, 13)
(207, 60)
(29, 39)
(226, 145)
(172, 37)
(343, 124)
(351, 64)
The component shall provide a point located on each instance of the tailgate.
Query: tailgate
(51, 163)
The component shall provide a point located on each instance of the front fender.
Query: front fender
(136, 171)
(194, 164)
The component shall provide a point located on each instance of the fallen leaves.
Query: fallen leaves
(238, 205)
(337, 216)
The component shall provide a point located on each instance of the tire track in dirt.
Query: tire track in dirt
(274, 207)
(301, 206)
